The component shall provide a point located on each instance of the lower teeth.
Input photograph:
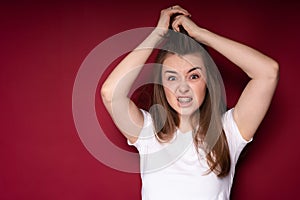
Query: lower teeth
(184, 100)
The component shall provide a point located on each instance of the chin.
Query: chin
(186, 111)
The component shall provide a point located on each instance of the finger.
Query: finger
(175, 24)
(176, 9)
(170, 12)
(180, 9)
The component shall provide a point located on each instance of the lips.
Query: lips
(184, 101)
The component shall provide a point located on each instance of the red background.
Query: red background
(42, 47)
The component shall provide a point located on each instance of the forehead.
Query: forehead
(183, 63)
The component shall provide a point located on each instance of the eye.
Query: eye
(194, 76)
(171, 78)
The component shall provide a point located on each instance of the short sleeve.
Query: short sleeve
(235, 140)
(147, 135)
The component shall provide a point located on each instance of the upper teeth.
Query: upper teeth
(184, 99)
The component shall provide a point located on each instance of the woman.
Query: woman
(189, 109)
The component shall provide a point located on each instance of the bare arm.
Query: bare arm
(126, 115)
(262, 70)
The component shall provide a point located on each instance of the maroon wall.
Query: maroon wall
(42, 48)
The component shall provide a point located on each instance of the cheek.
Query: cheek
(169, 93)
(199, 92)
(169, 89)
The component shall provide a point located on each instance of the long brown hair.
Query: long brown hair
(208, 131)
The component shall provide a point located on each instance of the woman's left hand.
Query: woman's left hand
(191, 27)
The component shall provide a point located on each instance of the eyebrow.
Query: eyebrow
(174, 72)
(194, 68)
(168, 71)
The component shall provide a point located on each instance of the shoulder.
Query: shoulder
(147, 134)
(234, 138)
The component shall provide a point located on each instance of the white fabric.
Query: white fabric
(175, 171)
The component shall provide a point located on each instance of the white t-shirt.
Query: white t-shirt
(174, 170)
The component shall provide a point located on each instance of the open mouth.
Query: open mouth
(184, 100)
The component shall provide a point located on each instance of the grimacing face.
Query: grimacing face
(184, 81)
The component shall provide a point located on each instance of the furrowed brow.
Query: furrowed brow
(193, 69)
(172, 72)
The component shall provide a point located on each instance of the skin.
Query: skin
(262, 70)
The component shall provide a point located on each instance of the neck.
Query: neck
(185, 124)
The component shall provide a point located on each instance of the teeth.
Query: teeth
(184, 99)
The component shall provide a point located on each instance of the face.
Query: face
(183, 78)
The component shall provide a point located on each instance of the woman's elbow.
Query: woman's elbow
(273, 72)
(275, 67)
(105, 94)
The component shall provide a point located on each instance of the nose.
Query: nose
(183, 88)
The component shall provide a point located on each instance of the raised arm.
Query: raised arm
(262, 70)
(127, 117)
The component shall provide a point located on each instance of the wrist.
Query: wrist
(153, 39)
(203, 36)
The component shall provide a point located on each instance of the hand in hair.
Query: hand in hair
(165, 17)
(182, 23)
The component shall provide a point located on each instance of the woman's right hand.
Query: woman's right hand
(165, 15)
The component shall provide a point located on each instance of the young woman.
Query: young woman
(189, 109)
